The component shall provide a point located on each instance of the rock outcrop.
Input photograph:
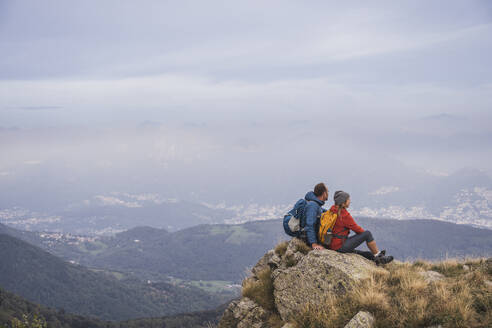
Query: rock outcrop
(299, 277)
(488, 265)
(362, 319)
(314, 277)
(244, 313)
(431, 276)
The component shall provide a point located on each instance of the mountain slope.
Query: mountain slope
(45, 279)
(13, 306)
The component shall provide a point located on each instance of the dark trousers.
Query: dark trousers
(351, 243)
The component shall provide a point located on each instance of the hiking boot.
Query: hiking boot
(383, 259)
(381, 253)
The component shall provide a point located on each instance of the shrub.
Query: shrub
(281, 248)
(274, 321)
(303, 248)
(29, 322)
(261, 290)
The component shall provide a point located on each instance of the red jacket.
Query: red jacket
(342, 227)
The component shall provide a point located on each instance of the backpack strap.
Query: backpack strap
(303, 214)
(341, 236)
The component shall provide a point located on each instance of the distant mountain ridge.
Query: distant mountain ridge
(109, 214)
(395, 191)
(464, 197)
(225, 252)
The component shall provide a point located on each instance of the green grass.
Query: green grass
(209, 286)
(94, 248)
(212, 286)
(117, 275)
(219, 230)
(237, 234)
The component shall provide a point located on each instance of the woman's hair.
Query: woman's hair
(340, 197)
(339, 210)
(341, 206)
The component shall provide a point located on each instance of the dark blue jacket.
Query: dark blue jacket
(312, 213)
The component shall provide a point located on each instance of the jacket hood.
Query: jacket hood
(312, 197)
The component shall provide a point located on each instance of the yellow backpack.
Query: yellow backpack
(326, 224)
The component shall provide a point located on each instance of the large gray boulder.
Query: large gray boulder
(315, 276)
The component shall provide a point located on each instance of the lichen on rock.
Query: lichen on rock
(315, 276)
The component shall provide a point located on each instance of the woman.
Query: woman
(341, 242)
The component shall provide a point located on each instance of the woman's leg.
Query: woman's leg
(367, 255)
(373, 247)
(353, 242)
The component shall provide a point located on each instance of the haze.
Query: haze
(239, 101)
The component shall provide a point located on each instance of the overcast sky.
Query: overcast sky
(409, 81)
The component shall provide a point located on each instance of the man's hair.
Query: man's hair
(319, 189)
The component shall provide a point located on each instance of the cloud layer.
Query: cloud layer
(235, 88)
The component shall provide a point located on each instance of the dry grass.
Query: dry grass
(449, 268)
(330, 314)
(303, 248)
(281, 248)
(290, 261)
(261, 290)
(274, 321)
(402, 298)
(452, 267)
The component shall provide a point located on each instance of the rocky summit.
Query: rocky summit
(288, 278)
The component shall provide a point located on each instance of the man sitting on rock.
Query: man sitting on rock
(315, 199)
(341, 242)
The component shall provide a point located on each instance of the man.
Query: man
(315, 199)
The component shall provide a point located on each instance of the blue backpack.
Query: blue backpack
(295, 219)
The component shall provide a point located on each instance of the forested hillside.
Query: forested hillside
(13, 306)
(45, 279)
